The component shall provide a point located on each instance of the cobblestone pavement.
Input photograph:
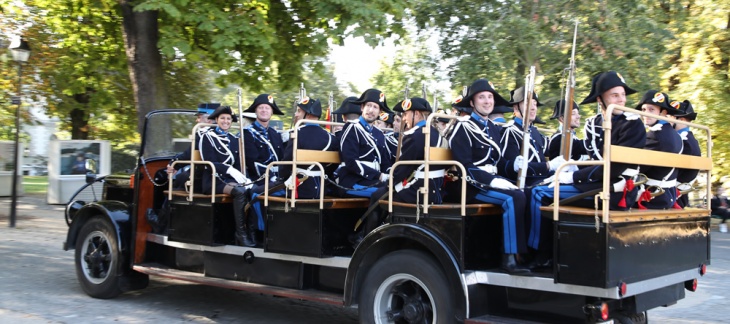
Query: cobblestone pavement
(38, 285)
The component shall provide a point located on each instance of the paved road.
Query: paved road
(38, 285)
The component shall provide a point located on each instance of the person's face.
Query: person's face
(615, 95)
(531, 113)
(396, 123)
(575, 119)
(263, 112)
(380, 124)
(408, 119)
(483, 103)
(202, 118)
(652, 109)
(224, 121)
(370, 112)
(299, 114)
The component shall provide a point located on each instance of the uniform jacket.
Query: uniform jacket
(262, 146)
(690, 147)
(476, 142)
(628, 130)
(362, 153)
(537, 167)
(221, 148)
(593, 142)
(662, 137)
(310, 137)
(391, 145)
(577, 150)
(412, 149)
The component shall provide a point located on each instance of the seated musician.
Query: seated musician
(408, 178)
(607, 88)
(577, 149)
(219, 146)
(309, 137)
(365, 163)
(181, 172)
(660, 136)
(475, 143)
(685, 177)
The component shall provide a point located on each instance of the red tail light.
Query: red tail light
(691, 285)
(604, 311)
(703, 269)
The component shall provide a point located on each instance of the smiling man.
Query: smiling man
(262, 143)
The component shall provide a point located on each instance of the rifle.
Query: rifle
(567, 141)
(330, 107)
(529, 89)
(241, 152)
(400, 131)
(423, 91)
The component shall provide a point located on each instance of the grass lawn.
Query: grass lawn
(35, 184)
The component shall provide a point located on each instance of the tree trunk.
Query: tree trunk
(80, 117)
(144, 60)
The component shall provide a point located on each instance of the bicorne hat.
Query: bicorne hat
(415, 103)
(518, 95)
(373, 95)
(387, 117)
(207, 108)
(310, 106)
(223, 110)
(603, 82)
(478, 86)
(502, 110)
(558, 109)
(685, 109)
(264, 98)
(659, 99)
(348, 107)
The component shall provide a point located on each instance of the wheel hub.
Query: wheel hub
(413, 312)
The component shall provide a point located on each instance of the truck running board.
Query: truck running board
(156, 269)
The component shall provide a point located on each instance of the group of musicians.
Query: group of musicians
(489, 148)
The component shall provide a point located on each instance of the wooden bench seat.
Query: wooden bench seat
(633, 215)
(222, 198)
(471, 209)
(329, 202)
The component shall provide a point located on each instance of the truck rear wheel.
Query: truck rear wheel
(97, 259)
(406, 287)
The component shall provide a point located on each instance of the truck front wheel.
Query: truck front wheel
(406, 287)
(97, 259)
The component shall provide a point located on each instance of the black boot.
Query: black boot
(510, 265)
(239, 202)
(251, 226)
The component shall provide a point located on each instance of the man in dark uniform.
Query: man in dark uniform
(685, 177)
(661, 136)
(262, 144)
(181, 172)
(578, 150)
(628, 130)
(475, 143)
(365, 162)
(309, 137)
(391, 139)
(219, 146)
(538, 168)
(408, 179)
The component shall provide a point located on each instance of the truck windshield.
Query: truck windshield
(167, 133)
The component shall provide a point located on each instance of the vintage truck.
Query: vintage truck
(428, 264)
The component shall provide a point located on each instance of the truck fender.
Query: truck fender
(116, 212)
(393, 237)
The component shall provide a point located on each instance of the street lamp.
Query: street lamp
(21, 54)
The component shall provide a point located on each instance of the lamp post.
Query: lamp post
(21, 53)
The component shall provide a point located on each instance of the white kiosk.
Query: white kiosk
(7, 167)
(70, 161)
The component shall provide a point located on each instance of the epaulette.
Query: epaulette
(508, 124)
(657, 127)
(411, 131)
(463, 118)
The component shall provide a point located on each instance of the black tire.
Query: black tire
(406, 287)
(640, 318)
(97, 259)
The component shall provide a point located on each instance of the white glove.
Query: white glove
(237, 175)
(285, 136)
(500, 183)
(565, 177)
(556, 162)
(518, 162)
(273, 179)
(384, 177)
(570, 168)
